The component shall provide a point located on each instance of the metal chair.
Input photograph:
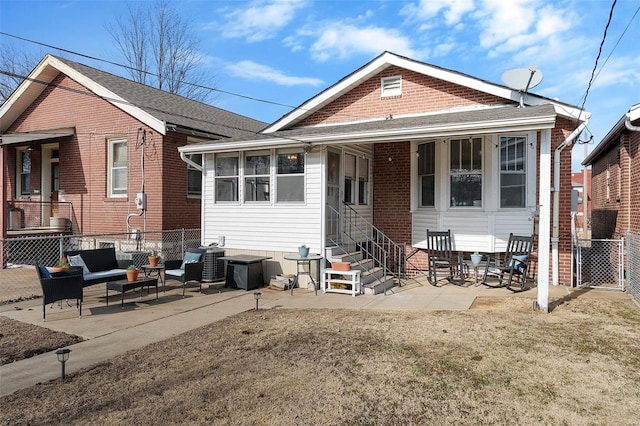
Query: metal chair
(515, 264)
(188, 269)
(440, 252)
(58, 286)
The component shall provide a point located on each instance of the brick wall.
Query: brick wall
(364, 101)
(83, 162)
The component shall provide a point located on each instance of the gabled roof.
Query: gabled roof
(156, 108)
(611, 137)
(388, 59)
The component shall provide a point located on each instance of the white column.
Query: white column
(544, 223)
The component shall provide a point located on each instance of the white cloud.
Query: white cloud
(253, 71)
(339, 40)
(429, 9)
(261, 20)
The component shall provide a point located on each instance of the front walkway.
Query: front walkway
(113, 330)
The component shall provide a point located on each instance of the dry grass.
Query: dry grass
(19, 340)
(498, 363)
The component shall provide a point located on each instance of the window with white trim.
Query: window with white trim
(226, 177)
(24, 170)
(349, 179)
(427, 173)
(363, 181)
(117, 168)
(513, 171)
(465, 172)
(257, 169)
(391, 86)
(194, 176)
(290, 176)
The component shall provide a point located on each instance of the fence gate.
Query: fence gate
(599, 263)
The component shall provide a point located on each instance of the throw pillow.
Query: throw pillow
(44, 272)
(77, 261)
(190, 257)
(519, 262)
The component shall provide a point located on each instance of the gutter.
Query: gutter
(555, 236)
(628, 125)
(183, 157)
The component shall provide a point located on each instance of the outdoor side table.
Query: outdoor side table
(301, 262)
(158, 270)
(244, 271)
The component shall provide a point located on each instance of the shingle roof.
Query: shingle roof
(170, 108)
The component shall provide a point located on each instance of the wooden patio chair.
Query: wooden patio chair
(515, 264)
(440, 252)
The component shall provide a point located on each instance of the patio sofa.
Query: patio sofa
(100, 265)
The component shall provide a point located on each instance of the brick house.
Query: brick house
(79, 144)
(615, 181)
(581, 198)
(397, 147)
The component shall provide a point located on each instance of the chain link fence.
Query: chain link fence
(633, 265)
(599, 263)
(18, 278)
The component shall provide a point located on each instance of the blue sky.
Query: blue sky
(289, 50)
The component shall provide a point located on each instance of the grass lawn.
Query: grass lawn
(498, 363)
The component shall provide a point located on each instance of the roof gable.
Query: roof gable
(387, 60)
(149, 105)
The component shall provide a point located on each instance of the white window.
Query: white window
(257, 169)
(194, 176)
(427, 173)
(513, 171)
(24, 170)
(226, 177)
(117, 174)
(466, 172)
(349, 179)
(290, 176)
(391, 86)
(363, 181)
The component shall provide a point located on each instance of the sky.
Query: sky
(287, 51)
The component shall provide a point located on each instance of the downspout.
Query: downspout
(631, 127)
(555, 236)
(188, 160)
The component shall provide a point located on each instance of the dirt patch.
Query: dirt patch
(580, 364)
(19, 340)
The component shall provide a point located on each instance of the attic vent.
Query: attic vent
(391, 86)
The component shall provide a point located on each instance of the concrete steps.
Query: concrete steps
(372, 278)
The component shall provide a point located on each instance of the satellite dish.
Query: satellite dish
(522, 79)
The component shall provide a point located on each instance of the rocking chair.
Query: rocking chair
(515, 264)
(440, 252)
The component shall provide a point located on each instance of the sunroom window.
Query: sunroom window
(427, 173)
(226, 179)
(512, 171)
(290, 176)
(350, 179)
(363, 181)
(256, 177)
(466, 172)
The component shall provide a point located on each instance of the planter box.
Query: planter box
(341, 266)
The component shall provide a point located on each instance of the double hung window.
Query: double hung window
(512, 171)
(194, 176)
(350, 179)
(290, 176)
(117, 160)
(257, 168)
(427, 173)
(226, 179)
(25, 173)
(466, 172)
(363, 181)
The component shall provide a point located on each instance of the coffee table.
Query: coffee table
(125, 285)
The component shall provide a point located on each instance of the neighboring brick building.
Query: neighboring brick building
(615, 166)
(79, 144)
(581, 185)
(404, 146)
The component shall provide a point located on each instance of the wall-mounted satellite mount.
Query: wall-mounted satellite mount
(522, 79)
